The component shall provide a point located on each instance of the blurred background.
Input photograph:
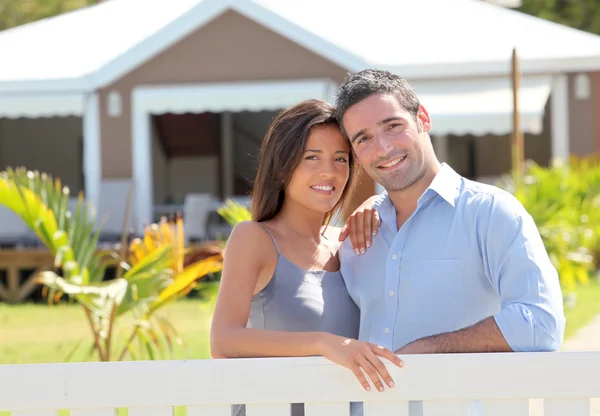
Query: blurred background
(151, 109)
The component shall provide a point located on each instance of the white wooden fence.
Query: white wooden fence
(502, 384)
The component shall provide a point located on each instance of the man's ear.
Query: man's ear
(423, 119)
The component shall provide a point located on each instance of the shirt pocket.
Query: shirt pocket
(437, 278)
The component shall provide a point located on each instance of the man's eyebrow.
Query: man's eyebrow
(320, 151)
(382, 122)
(357, 135)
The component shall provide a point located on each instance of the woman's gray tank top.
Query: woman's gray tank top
(297, 300)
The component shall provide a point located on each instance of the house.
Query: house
(174, 96)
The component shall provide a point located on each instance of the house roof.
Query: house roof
(92, 47)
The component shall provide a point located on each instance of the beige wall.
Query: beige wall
(51, 145)
(584, 120)
(231, 48)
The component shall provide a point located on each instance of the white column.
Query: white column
(560, 117)
(92, 153)
(142, 166)
(440, 146)
(227, 156)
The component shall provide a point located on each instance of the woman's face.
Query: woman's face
(320, 178)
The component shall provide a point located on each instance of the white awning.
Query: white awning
(233, 96)
(483, 106)
(41, 105)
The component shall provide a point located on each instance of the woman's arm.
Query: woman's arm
(249, 256)
(249, 261)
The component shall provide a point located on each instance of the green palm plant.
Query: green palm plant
(161, 271)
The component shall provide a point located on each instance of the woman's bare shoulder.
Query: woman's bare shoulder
(250, 235)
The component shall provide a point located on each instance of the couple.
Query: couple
(456, 266)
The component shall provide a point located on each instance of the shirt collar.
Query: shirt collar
(446, 184)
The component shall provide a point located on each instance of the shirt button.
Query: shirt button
(391, 293)
(387, 330)
(394, 256)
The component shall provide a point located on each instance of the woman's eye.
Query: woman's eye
(312, 157)
(391, 126)
(342, 159)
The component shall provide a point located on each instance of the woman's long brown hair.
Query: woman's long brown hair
(281, 151)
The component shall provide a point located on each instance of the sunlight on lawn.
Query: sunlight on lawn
(41, 334)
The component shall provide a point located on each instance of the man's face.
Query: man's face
(388, 142)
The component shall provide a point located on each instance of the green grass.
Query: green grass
(35, 334)
(42, 334)
(586, 308)
(46, 334)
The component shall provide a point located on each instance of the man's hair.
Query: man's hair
(360, 85)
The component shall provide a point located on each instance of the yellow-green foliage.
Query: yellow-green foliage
(152, 271)
(564, 201)
(233, 212)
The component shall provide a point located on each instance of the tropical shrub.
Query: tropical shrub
(151, 271)
(564, 201)
(233, 212)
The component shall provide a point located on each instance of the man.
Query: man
(457, 266)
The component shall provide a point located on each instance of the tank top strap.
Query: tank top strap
(272, 238)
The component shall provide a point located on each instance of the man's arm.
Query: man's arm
(484, 336)
(518, 267)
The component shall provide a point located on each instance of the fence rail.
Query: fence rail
(502, 384)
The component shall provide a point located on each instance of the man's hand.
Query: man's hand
(484, 336)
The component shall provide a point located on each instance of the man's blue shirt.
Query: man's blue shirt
(468, 252)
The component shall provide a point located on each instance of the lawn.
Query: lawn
(587, 307)
(42, 334)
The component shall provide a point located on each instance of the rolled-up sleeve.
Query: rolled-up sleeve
(518, 266)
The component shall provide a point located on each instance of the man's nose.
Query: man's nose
(383, 145)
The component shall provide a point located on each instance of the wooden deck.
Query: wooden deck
(13, 261)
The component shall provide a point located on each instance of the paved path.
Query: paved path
(586, 339)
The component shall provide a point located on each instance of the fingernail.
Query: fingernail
(374, 233)
(362, 250)
(381, 388)
(367, 388)
(368, 244)
(356, 251)
(392, 384)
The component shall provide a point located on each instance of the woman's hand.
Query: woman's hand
(362, 226)
(359, 356)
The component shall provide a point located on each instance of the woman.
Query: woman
(281, 291)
